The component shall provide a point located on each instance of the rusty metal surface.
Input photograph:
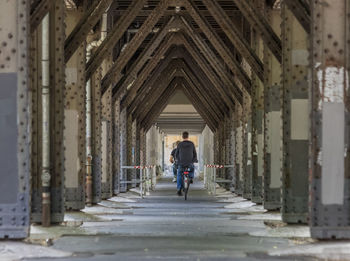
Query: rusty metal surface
(37, 13)
(258, 21)
(112, 37)
(83, 27)
(301, 10)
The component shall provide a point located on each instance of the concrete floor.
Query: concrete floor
(165, 227)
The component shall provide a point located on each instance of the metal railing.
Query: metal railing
(210, 178)
(147, 179)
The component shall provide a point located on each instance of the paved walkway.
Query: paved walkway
(164, 226)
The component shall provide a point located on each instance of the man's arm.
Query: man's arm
(195, 160)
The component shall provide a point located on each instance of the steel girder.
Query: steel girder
(182, 84)
(151, 95)
(144, 57)
(236, 37)
(113, 75)
(215, 40)
(152, 83)
(113, 37)
(200, 103)
(301, 11)
(38, 12)
(157, 71)
(162, 102)
(258, 21)
(201, 109)
(179, 39)
(81, 30)
(15, 121)
(204, 83)
(215, 63)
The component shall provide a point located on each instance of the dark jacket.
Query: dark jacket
(173, 153)
(186, 153)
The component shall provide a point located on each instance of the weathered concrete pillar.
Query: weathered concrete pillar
(257, 149)
(15, 119)
(295, 120)
(74, 121)
(57, 86)
(329, 147)
(273, 122)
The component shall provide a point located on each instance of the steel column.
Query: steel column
(57, 79)
(257, 141)
(116, 146)
(295, 120)
(15, 123)
(272, 122)
(75, 120)
(330, 125)
(247, 148)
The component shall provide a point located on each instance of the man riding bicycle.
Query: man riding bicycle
(185, 155)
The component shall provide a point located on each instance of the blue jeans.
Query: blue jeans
(180, 170)
(175, 170)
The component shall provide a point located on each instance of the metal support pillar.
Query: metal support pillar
(257, 149)
(329, 96)
(273, 122)
(57, 80)
(131, 143)
(15, 123)
(238, 184)
(116, 146)
(107, 145)
(123, 150)
(96, 139)
(247, 148)
(295, 120)
(74, 121)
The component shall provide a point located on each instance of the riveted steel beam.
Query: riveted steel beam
(272, 179)
(136, 99)
(179, 39)
(75, 121)
(113, 75)
(156, 90)
(83, 27)
(330, 120)
(208, 70)
(199, 108)
(190, 77)
(236, 37)
(190, 89)
(301, 10)
(113, 37)
(38, 12)
(57, 80)
(214, 39)
(145, 56)
(208, 86)
(116, 145)
(15, 120)
(258, 21)
(295, 120)
(162, 102)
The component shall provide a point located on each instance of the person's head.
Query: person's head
(185, 135)
(177, 143)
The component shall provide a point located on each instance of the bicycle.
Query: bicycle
(186, 180)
